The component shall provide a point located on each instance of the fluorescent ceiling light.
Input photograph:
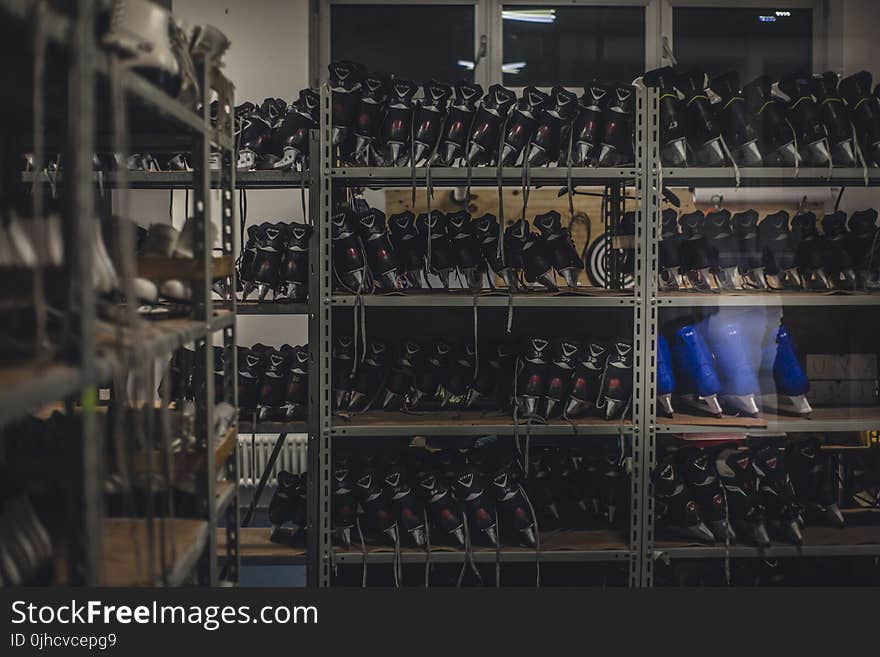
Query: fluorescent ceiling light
(513, 67)
(529, 15)
(466, 64)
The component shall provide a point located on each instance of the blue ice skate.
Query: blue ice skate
(696, 371)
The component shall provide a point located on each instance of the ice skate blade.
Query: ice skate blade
(549, 408)
(711, 154)
(727, 278)
(583, 153)
(749, 155)
(459, 535)
(834, 516)
(475, 154)
(664, 402)
(527, 405)
(791, 532)
(699, 279)
(509, 156)
(554, 510)
(608, 156)
(418, 536)
(794, 405)
(391, 533)
(577, 408)
(787, 155)
(338, 134)
(816, 154)
(341, 397)
(722, 531)
(395, 153)
(570, 276)
(546, 279)
(263, 290)
(528, 535)
(708, 404)
(613, 408)
(843, 154)
(668, 280)
(491, 535)
(449, 153)
(356, 400)
(758, 535)
(288, 160)
(537, 155)
(391, 401)
(744, 404)
(509, 278)
(699, 533)
(675, 153)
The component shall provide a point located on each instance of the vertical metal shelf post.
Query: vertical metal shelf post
(652, 176)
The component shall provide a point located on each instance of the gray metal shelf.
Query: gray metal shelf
(479, 176)
(26, 387)
(184, 179)
(246, 427)
(786, 298)
(271, 308)
(592, 298)
(768, 177)
(823, 419)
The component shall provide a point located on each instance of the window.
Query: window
(751, 41)
(418, 42)
(546, 45)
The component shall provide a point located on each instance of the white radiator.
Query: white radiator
(293, 457)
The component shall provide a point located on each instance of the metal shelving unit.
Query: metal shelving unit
(854, 541)
(327, 427)
(101, 551)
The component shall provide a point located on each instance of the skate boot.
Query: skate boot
(591, 479)
(471, 491)
(540, 487)
(394, 135)
(699, 475)
(695, 371)
(665, 377)
(567, 485)
(442, 507)
(779, 246)
(864, 112)
(673, 146)
(813, 478)
(440, 257)
(296, 395)
(588, 125)
(369, 377)
(294, 271)
(487, 234)
(783, 512)
(368, 118)
(267, 260)
(558, 113)
(522, 125)
(532, 376)
(735, 367)
(273, 386)
(255, 147)
(512, 505)
(405, 504)
(739, 133)
(429, 120)
(805, 117)
(564, 355)
(409, 245)
(369, 492)
(838, 262)
(343, 506)
(810, 256)
(675, 507)
(835, 116)
(532, 252)
(465, 248)
(703, 131)
(250, 371)
(342, 356)
(613, 486)
(432, 376)
(695, 261)
(288, 504)
(618, 122)
(348, 255)
(346, 87)
(791, 381)
(380, 254)
(401, 375)
(586, 384)
(559, 247)
(723, 253)
(669, 254)
(745, 232)
(455, 392)
(459, 121)
(737, 473)
(776, 138)
(246, 265)
(290, 143)
(492, 386)
(863, 248)
(483, 139)
(617, 380)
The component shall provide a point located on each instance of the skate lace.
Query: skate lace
(357, 522)
(859, 156)
(427, 549)
(528, 500)
(730, 157)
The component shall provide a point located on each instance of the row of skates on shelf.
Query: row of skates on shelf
(800, 119)
(537, 380)
(752, 494)
(482, 495)
(722, 365)
(721, 251)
